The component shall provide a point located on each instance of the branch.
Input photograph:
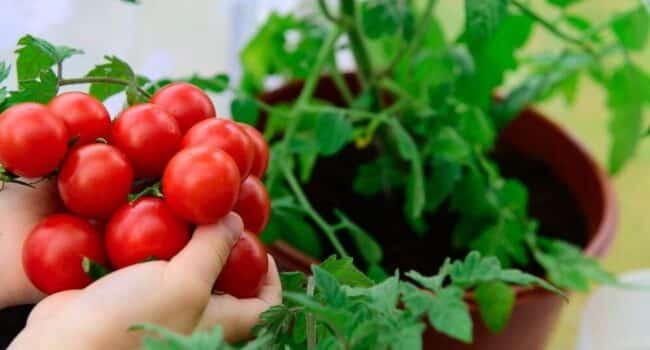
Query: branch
(357, 44)
(103, 80)
(327, 13)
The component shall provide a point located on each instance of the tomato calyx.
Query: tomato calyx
(93, 269)
(8, 177)
(150, 191)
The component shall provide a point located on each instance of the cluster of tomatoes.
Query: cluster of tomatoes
(206, 166)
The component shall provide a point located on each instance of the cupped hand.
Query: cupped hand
(21, 208)
(175, 294)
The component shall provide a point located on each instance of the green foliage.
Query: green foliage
(483, 17)
(113, 68)
(632, 29)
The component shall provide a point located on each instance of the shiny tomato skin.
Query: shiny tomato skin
(185, 102)
(144, 229)
(261, 158)
(95, 180)
(245, 270)
(148, 136)
(85, 116)
(33, 141)
(253, 205)
(54, 250)
(201, 184)
(226, 135)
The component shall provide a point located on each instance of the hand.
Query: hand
(174, 294)
(21, 208)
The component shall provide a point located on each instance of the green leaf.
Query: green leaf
(563, 3)
(93, 269)
(505, 240)
(495, 301)
(441, 182)
(328, 287)
(415, 190)
(632, 29)
(380, 18)
(293, 227)
(333, 132)
(629, 90)
(368, 248)
(568, 267)
(449, 146)
(474, 270)
(35, 55)
(477, 128)
(483, 17)
(345, 272)
(113, 68)
(449, 314)
(244, 109)
(433, 283)
(276, 321)
(4, 71)
(293, 281)
(40, 90)
(217, 83)
(405, 143)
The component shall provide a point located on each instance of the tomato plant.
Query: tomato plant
(201, 184)
(244, 272)
(32, 140)
(226, 135)
(186, 102)
(95, 180)
(253, 204)
(261, 157)
(148, 136)
(85, 117)
(145, 229)
(54, 250)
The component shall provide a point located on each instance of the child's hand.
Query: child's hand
(21, 208)
(174, 294)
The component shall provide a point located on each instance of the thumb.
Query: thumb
(207, 252)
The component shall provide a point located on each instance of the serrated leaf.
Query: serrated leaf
(217, 83)
(275, 321)
(293, 281)
(449, 146)
(333, 132)
(441, 182)
(328, 287)
(244, 109)
(483, 17)
(368, 248)
(40, 90)
(345, 272)
(113, 68)
(632, 29)
(495, 301)
(35, 55)
(433, 283)
(449, 314)
(474, 269)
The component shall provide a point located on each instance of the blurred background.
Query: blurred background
(177, 38)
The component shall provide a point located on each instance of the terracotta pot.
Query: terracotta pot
(535, 137)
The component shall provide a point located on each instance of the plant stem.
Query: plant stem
(340, 83)
(357, 44)
(103, 80)
(358, 113)
(423, 26)
(551, 27)
(327, 13)
(311, 320)
(309, 209)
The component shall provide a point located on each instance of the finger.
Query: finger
(271, 291)
(207, 252)
(51, 305)
(237, 317)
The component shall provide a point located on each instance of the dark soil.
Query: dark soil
(550, 202)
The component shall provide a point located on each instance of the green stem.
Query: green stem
(423, 26)
(311, 320)
(102, 80)
(327, 13)
(341, 84)
(309, 209)
(551, 27)
(356, 114)
(357, 44)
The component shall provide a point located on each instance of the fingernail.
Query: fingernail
(234, 225)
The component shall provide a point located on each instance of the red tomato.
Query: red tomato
(95, 180)
(226, 135)
(83, 115)
(32, 140)
(148, 136)
(54, 250)
(201, 184)
(253, 205)
(245, 270)
(261, 158)
(144, 229)
(186, 102)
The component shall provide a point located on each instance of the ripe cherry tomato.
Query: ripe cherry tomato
(261, 158)
(32, 140)
(54, 250)
(226, 135)
(244, 272)
(83, 115)
(95, 180)
(253, 205)
(148, 136)
(186, 102)
(201, 184)
(142, 230)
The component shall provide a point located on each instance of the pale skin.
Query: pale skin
(175, 294)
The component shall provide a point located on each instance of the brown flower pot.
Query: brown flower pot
(535, 137)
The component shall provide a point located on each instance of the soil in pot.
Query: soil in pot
(331, 186)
